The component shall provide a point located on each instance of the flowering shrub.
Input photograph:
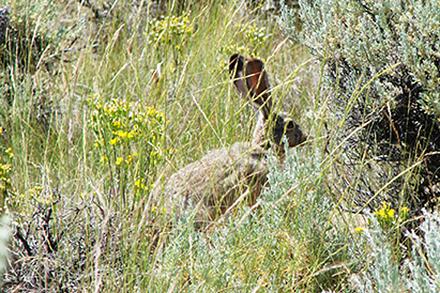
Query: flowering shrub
(385, 214)
(254, 38)
(170, 32)
(129, 141)
(390, 221)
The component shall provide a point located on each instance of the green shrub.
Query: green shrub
(382, 69)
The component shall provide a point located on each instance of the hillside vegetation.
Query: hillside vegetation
(100, 101)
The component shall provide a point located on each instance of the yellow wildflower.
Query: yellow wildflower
(98, 142)
(129, 159)
(117, 123)
(385, 213)
(5, 167)
(138, 184)
(114, 141)
(404, 213)
(10, 153)
(151, 111)
(359, 230)
(119, 161)
(131, 134)
(391, 213)
(122, 134)
(37, 189)
(109, 110)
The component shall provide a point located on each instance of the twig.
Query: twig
(51, 245)
(23, 241)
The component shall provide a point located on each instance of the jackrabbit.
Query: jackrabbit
(214, 183)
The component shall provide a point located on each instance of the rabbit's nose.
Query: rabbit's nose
(306, 138)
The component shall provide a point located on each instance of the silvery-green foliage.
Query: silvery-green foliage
(424, 265)
(290, 226)
(371, 36)
(375, 35)
(382, 66)
(382, 272)
(420, 272)
(288, 187)
(4, 240)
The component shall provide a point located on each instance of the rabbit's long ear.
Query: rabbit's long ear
(236, 66)
(257, 82)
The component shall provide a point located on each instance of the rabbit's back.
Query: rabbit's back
(213, 183)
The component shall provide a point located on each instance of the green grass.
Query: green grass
(105, 244)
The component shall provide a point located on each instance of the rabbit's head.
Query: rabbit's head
(252, 82)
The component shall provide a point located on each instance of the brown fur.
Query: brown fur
(211, 184)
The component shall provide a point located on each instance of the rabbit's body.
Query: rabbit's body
(210, 186)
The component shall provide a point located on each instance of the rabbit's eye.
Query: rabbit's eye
(290, 125)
